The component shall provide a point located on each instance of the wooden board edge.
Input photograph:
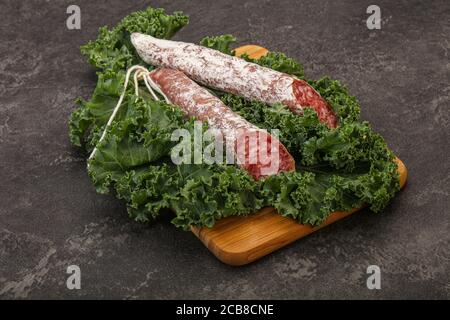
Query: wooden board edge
(253, 51)
(239, 258)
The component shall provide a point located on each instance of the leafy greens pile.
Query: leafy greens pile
(338, 169)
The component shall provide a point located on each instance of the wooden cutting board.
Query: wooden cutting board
(240, 240)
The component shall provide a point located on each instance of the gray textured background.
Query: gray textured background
(51, 217)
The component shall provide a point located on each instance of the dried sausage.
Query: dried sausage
(235, 75)
(258, 152)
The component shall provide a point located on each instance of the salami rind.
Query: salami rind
(234, 75)
(246, 139)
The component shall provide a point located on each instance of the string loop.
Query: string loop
(139, 72)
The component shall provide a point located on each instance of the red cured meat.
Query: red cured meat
(307, 96)
(253, 146)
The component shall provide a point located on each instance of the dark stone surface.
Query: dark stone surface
(51, 217)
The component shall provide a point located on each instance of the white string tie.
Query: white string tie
(139, 72)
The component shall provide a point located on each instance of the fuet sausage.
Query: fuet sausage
(235, 75)
(258, 152)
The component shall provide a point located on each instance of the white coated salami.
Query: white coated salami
(234, 75)
(256, 150)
